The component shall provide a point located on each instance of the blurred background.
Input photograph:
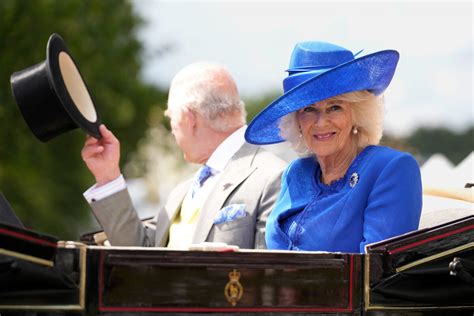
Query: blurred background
(128, 52)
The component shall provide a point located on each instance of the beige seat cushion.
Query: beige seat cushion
(438, 210)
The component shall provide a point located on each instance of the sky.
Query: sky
(433, 83)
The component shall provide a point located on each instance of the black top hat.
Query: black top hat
(52, 95)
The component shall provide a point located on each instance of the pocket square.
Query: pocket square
(229, 213)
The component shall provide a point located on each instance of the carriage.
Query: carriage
(425, 272)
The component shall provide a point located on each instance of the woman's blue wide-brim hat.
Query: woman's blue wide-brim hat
(318, 71)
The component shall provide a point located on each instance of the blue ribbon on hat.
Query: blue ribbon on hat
(304, 65)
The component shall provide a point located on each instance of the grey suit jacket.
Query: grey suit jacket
(252, 177)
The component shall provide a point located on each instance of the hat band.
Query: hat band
(296, 78)
(296, 75)
(292, 71)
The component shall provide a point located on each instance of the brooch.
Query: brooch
(354, 179)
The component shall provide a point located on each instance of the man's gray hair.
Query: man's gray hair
(209, 89)
(367, 116)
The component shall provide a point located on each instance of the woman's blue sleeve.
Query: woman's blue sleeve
(394, 204)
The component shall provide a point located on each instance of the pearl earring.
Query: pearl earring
(355, 130)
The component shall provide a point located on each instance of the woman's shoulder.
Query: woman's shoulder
(384, 152)
(383, 156)
(382, 162)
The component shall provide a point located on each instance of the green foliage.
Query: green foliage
(253, 106)
(455, 146)
(44, 181)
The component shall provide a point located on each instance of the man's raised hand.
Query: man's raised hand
(102, 156)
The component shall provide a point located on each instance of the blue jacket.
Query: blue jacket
(379, 197)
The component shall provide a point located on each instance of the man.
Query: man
(230, 197)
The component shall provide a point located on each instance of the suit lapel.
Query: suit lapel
(165, 218)
(239, 168)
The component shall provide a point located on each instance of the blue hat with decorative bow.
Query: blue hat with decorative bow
(318, 71)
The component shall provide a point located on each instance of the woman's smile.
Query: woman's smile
(324, 136)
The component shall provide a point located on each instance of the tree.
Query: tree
(455, 146)
(44, 182)
(255, 105)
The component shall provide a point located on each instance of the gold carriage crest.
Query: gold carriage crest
(233, 290)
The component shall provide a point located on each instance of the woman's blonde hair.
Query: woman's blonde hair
(367, 116)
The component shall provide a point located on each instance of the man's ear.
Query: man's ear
(190, 118)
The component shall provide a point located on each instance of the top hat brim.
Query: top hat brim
(90, 124)
(372, 72)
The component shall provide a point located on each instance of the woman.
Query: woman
(349, 192)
